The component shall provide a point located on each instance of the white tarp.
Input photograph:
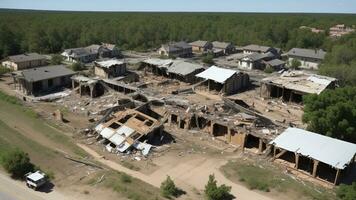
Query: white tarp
(336, 153)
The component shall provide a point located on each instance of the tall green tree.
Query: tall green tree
(332, 113)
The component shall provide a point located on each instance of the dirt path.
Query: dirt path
(188, 174)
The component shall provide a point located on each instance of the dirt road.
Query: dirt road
(187, 174)
(16, 190)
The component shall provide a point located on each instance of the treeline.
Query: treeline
(50, 32)
(53, 31)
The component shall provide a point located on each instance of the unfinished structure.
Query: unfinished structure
(128, 129)
(109, 68)
(225, 81)
(315, 155)
(87, 86)
(291, 86)
(157, 66)
(43, 80)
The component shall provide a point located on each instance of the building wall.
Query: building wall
(114, 71)
(23, 65)
(236, 83)
(307, 63)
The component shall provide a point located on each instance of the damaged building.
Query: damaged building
(43, 80)
(291, 86)
(224, 81)
(109, 68)
(318, 156)
(128, 130)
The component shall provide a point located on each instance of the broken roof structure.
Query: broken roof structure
(217, 74)
(334, 152)
(125, 130)
(307, 53)
(158, 62)
(109, 63)
(300, 82)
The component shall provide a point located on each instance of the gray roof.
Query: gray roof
(26, 57)
(275, 62)
(176, 46)
(199, 43)
(47, 72)
(334, 152)
(307, 53)
(221, 45)
(254, 47)
(259, 56)
(183, 68)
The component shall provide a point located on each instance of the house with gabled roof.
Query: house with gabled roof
(177, 49)
(201, 46)
(309, 58)
(222, 48)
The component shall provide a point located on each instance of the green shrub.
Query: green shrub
(77, 66)
(125, 178)
(268, 70)
(17, 163)
(56, 59)
(215, 192)
(168, 188)
(4, 70)
(208, 59)
(347, 192)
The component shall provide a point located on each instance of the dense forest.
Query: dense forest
(50, 32)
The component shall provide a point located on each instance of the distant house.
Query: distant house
(42, 80)
(184, 71)
(223, 48)
(24, 61)
(225, 81)
(253, 48)
(109, 68)
(255, 60)
(178, 49)
(340, 30)
(91, 53)
(201, 46)
(309, 58)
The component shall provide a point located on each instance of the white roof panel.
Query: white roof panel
(117, 139)
(36, 176)
(158, 62)
(217, 74)
(125, 130)
(109, 63)
(107, 133)
(334, 152)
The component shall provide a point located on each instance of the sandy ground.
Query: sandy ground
(189, 173)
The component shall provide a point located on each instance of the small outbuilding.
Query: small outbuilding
(201, 46)
(24, 61)
(316, 155)
(225, 81)
(178, 49)
(223, 48)
(109, 68)
(43, 80)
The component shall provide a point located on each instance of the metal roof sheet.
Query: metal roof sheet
(334, 152)
(158, 62)
(217, 74)
(183, 68)
(26, 57)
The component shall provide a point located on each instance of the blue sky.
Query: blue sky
(318, 6)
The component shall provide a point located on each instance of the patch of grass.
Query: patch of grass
(128, 186)
(129, 165)
(13, 109)
(266, 177)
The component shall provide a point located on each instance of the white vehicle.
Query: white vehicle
(35, 180)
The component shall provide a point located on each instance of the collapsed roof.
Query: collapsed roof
(109, 63)
(300, 81)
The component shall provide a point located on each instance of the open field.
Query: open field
(273, 181)
(22, 128)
